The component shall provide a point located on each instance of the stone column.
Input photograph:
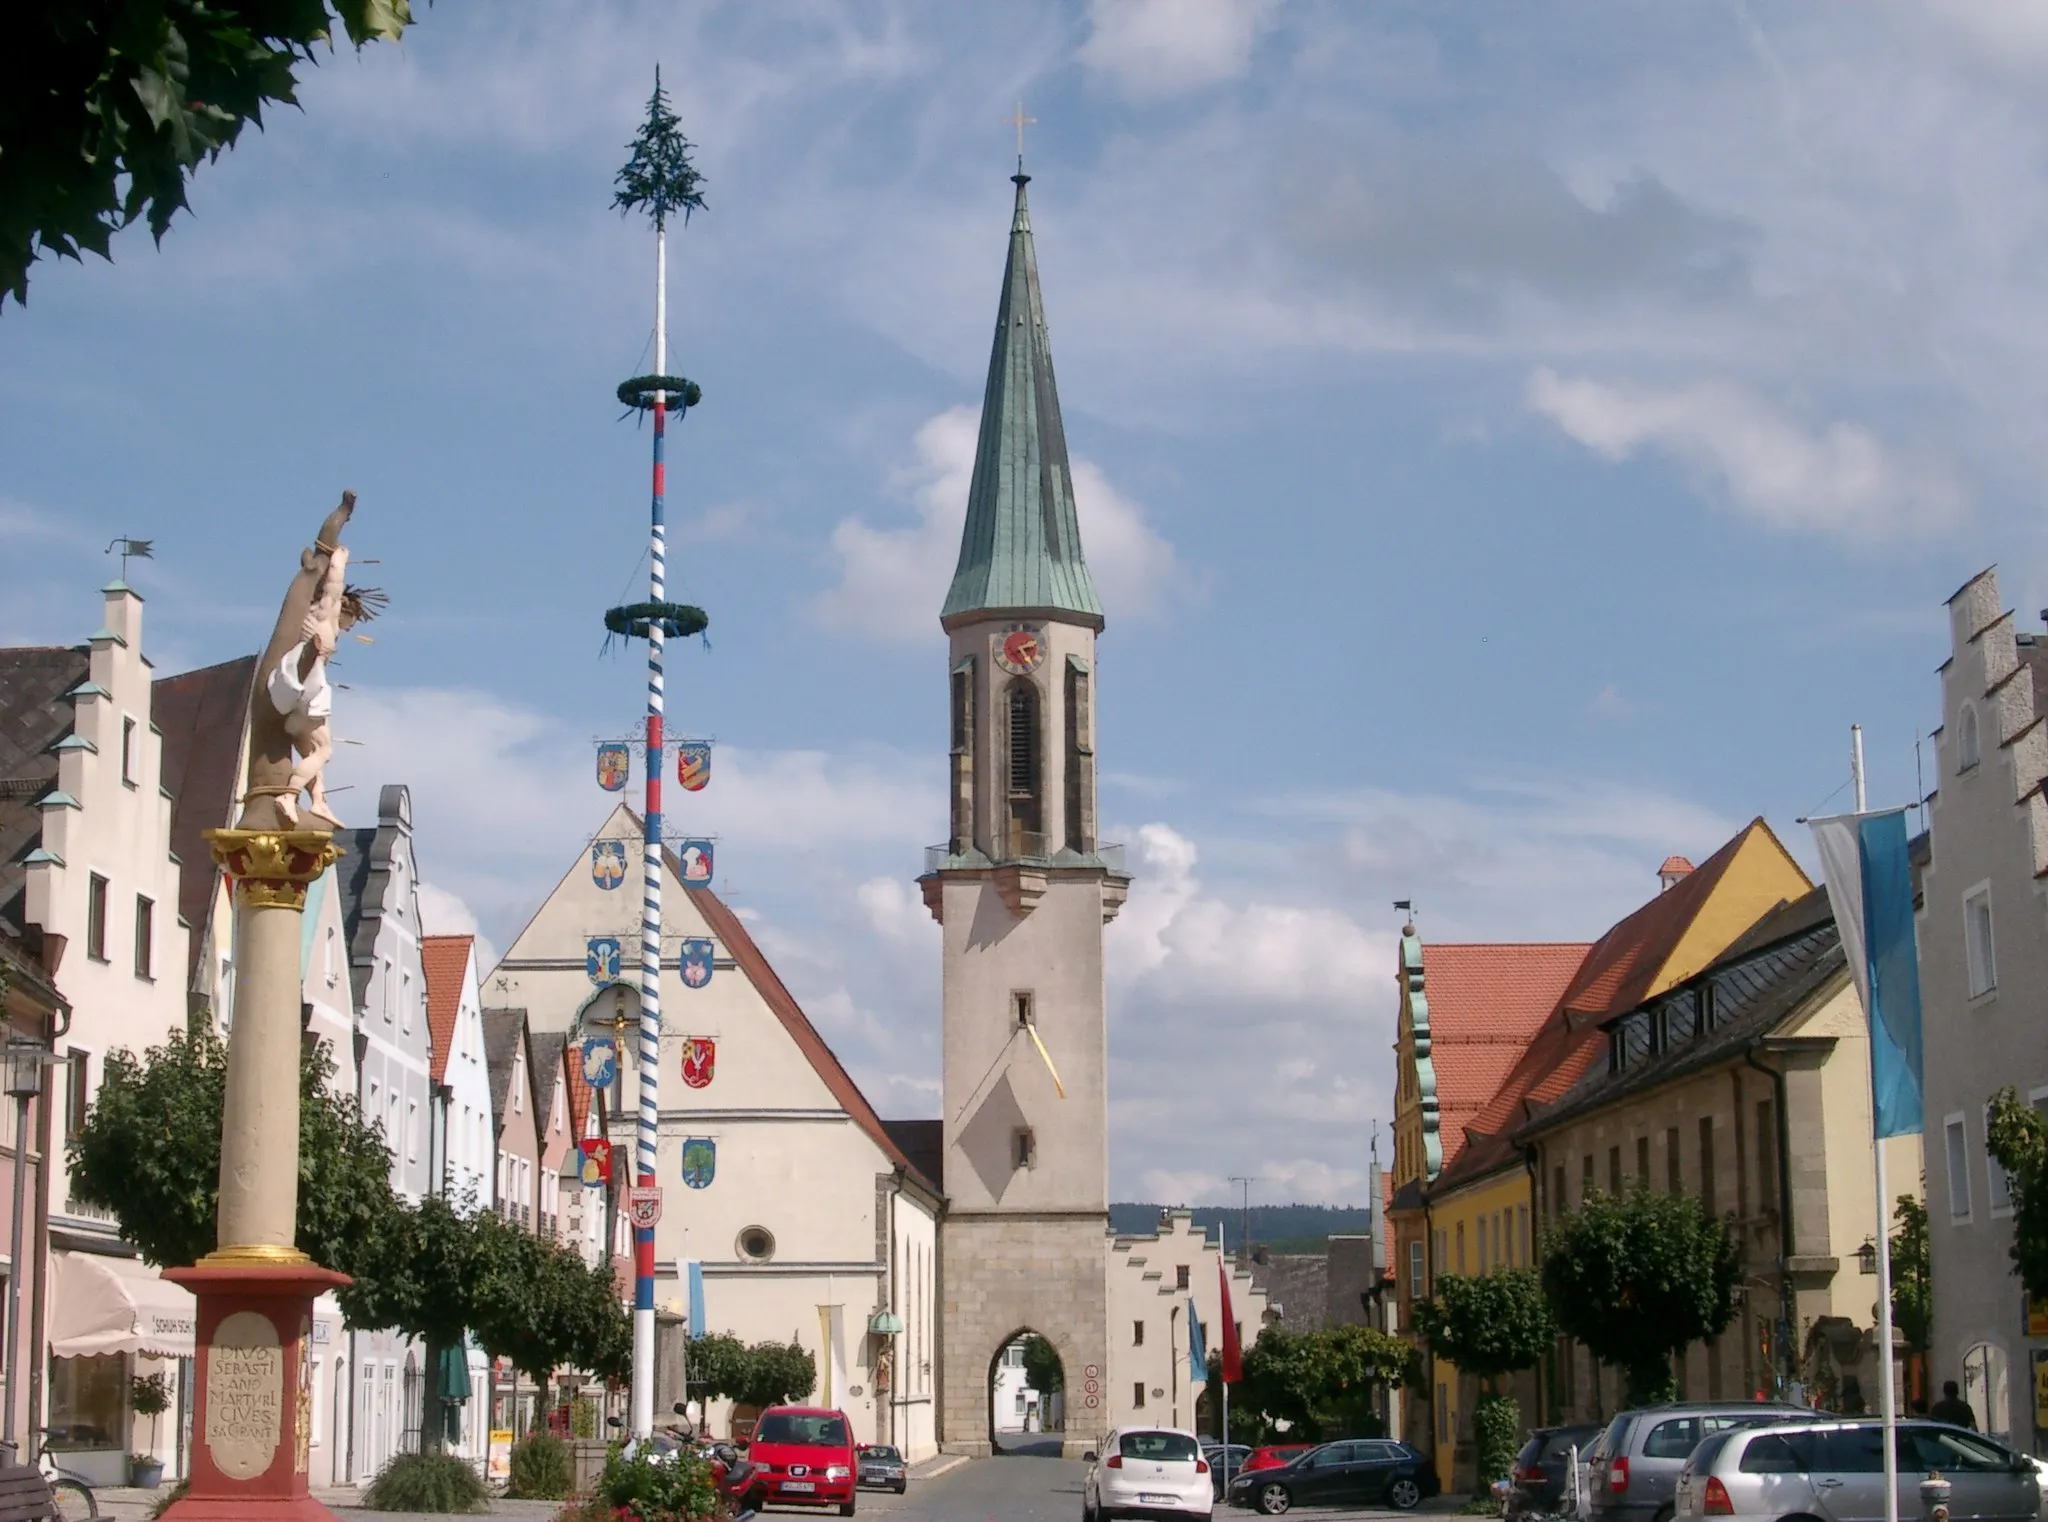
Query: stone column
(251, 1420)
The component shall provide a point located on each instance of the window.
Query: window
(145, 937)
(1414, 1270)
(327, 957)
(757, 1244)
(1557, 1199)
(1977, 944)
(1180, 1276)
(1674, 1439)
(405, 1001)
(1969, 742)
(387, 990)
(1643, 1161)
(1137, 1334)
(1025, 826)
(1674, 1171)
(1499, 1251)
(128, 751)
(1461, 1247)
(412, 1130)
(96, 917)
(1026, 1148)
(1080, 761)
(1138, 1393)
(1023, 1008)
(1958, 1168)
(1614, 1171)
(1522, 1235)
(1707, 1190)
(77, 1090)
(1585, 1176)
(963, 755)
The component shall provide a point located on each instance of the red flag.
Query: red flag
(1233, 1356)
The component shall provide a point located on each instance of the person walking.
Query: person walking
(1953, 1409)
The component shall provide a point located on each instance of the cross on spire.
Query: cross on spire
(1020, 121)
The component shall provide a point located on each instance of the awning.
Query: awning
(117, 1305)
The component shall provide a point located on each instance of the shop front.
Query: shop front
(113, 1322)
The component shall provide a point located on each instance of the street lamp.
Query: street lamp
(21, 1070)
(1866, 1256)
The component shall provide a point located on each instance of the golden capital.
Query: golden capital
(256, 1254)
(271, 868)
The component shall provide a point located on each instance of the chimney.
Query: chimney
(1674, 869)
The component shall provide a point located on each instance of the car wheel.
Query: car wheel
(1665, 1515)
(846, 1508)
(1404, 1493)
(902, 1486)
(1274, 1500)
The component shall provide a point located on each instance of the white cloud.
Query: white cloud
(1166, 47)
(1840, 478)
(892, 580)
(895, 909)
(444, 913)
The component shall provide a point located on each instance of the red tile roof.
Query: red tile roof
(1674, 864)
(446, 958)
(1616, 976)
(1485, 1003)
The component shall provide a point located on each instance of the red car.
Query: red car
(1273, 1455)
(802, 1456)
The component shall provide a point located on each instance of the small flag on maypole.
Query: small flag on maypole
(1198, 1348)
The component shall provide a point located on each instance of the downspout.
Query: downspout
(1429, 1368)
(1535, 1172)
(1779, 1343)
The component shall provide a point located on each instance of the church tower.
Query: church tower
(1023, 888)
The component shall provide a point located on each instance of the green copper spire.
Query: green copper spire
(1021, 549)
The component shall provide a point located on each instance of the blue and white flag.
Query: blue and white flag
(1870, 886)
(696, 1292)
(1198, 1356)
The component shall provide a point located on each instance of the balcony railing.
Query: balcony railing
(1107, 855)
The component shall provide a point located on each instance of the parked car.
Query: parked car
(1226, 1463)
(1355, 1472)
(1273, 1455)
(1834, 1470)
(802, 1456)
(1154, 1470)
(1540, 1468)
(882, 1467)
(1637, 1459)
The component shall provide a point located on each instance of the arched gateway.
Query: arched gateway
(1023, 889)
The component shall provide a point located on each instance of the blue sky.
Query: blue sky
(1514, 444)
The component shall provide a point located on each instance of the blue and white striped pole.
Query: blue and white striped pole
(647, 1147)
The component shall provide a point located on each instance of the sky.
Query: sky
(1513, 444)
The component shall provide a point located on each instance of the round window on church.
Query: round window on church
(757, 1243)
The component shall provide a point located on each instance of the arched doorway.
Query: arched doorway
(1026, 1396)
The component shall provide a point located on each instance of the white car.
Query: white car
(1147, 1471)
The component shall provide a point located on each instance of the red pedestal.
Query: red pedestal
(252, 1420)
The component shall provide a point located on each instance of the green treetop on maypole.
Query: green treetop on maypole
(659, 175)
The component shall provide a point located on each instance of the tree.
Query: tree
(1912, 1275)
(1043, 1370)
(1639, 1278)
(1491, 1326)
(1319, 1383)
(764, 1374)
(108, 106)
(149, 1151)
(659, 178)
(2017, 1137)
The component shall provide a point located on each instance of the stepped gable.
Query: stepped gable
(1617, 975)
(203, 717)
(33, 717)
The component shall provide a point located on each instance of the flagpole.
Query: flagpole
(1884, 1236)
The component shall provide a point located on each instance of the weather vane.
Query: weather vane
(1020, 121)
(132, 549)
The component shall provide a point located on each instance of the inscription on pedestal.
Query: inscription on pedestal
(244, 1395)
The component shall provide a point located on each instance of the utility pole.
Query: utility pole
(1244, 1244)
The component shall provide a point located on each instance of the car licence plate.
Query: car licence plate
(803, 1485)
(1154, 1498)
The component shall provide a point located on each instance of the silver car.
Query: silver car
(1833, 1471)
(1636, 1460)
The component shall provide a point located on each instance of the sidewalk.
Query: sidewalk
(125, 1504)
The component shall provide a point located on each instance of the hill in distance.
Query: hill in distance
(1283, 1228)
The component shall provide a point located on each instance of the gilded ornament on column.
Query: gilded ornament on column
(271, 868)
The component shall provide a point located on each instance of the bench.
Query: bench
(25, 1494)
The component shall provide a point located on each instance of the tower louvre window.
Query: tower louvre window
(1080, 799)
(962, 738)
(1026, 838)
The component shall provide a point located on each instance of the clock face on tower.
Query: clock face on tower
(1020, 651)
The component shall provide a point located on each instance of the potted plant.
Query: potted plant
(150, 1394)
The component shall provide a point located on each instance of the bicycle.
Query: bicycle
(73, 1493)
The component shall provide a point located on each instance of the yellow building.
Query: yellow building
(1477, 1213)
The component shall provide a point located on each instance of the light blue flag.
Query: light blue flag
(696, 1298)
(1198, 1356)
(1870, 886)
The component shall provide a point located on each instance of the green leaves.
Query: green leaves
(1488, 1326)
(1637, 1279)
(1043, 1370)
(2017, 1137)
(659, 175)
(722, 1367)
(108, 106)
(1320, 1381)
(1912, 1274)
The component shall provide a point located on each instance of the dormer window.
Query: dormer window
(962, 738)
(1969, 743)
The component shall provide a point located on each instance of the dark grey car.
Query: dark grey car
(1642, 1451)
(880, 1466)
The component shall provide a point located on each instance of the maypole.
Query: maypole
(660, 179)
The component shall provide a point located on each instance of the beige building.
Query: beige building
(1748, 1086)
(1152, 1283)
